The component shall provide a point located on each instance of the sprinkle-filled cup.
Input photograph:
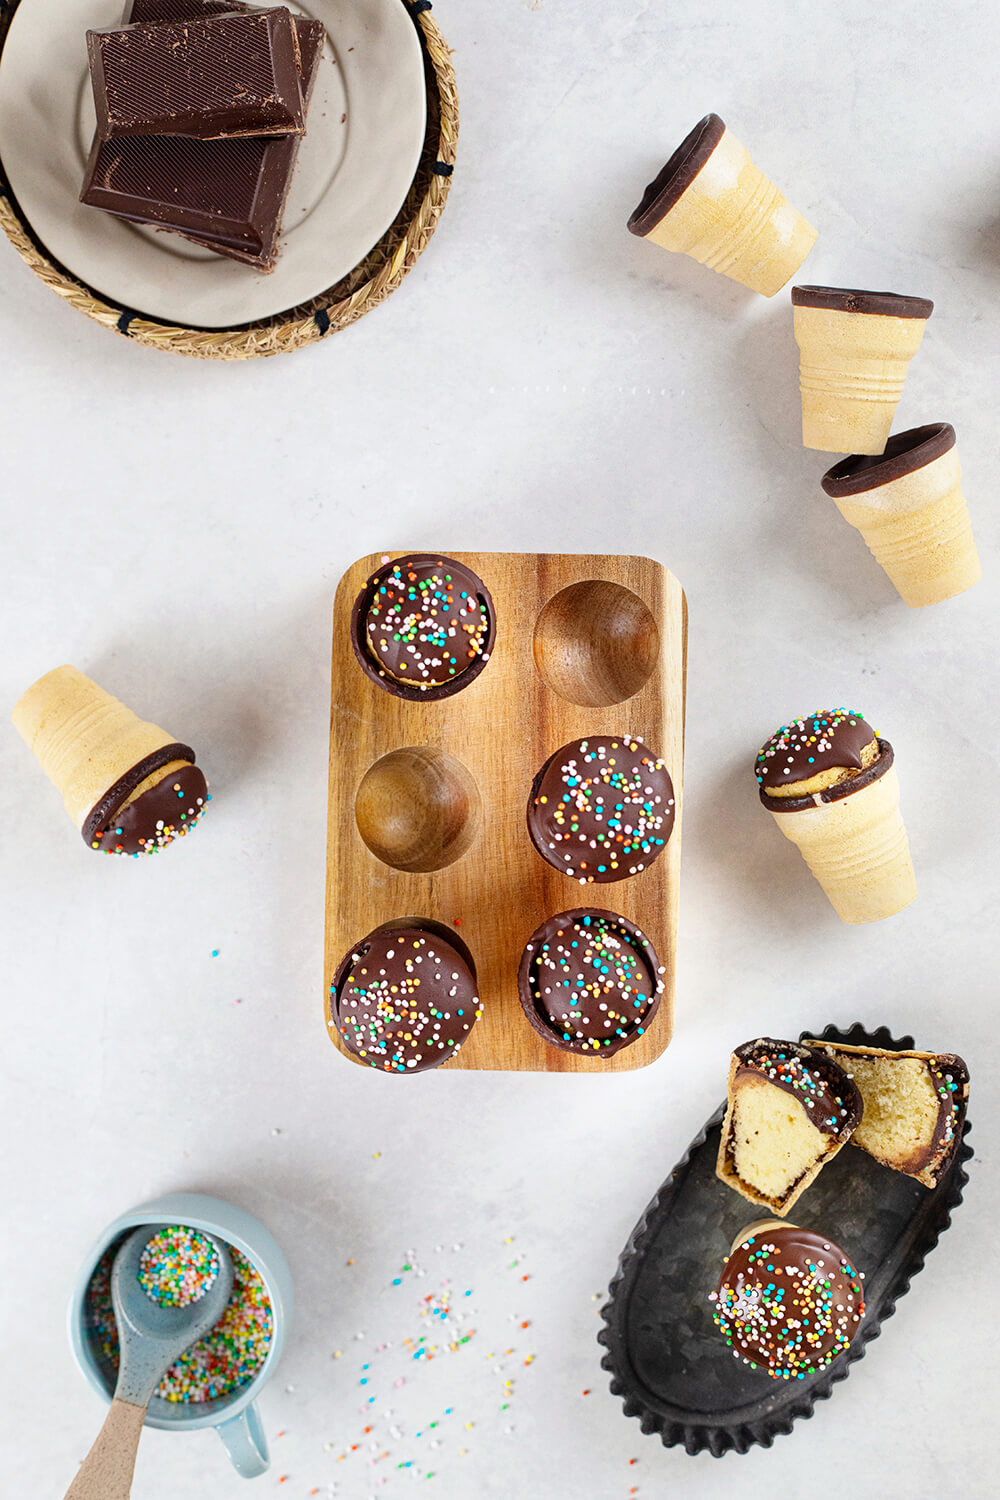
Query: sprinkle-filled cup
(215, 1383)
(712, 203)
(908, 505)
(855, 349)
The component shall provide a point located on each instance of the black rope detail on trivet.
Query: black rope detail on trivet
(442, 169)
(124, 322)
(322, 321)
(417, 7)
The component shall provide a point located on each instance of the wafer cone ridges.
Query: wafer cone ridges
(857, 849)
(917, 528)
(733, 219)
(853, 368)
(84, 739)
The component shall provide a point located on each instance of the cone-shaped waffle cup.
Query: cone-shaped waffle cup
(669, 1362)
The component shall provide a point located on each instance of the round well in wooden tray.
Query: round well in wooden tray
(428, 798)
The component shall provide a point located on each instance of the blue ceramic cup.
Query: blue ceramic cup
(235, 1416)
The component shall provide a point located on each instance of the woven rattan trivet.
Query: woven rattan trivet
(365, 287)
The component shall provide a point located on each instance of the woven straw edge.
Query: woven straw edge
(374, 279)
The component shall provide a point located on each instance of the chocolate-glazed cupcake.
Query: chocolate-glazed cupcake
(589, 982)
(405, 999)
(788, 1301)
(601, 809)
(830, 782)
(423, 626)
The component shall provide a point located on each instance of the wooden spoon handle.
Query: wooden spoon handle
(106, 1472)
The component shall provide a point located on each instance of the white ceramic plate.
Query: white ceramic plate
(365, 130)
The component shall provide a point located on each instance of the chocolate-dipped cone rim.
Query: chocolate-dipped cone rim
(119, 792)
(726, 1421)
(370, 667)
(854, 300)
(639, 944)
(905, 453)
(670, 184)
(837, 792)
(821, 1063)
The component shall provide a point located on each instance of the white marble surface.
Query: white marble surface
(542, 380)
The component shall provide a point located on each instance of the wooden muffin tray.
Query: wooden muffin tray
(428, 800)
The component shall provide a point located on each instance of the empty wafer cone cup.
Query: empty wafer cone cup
(855, 349)
(711, 202)
(110, 766)
(855, 842)
(909, 507)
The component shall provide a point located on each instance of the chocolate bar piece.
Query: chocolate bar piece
(228, 195)
(211, 76)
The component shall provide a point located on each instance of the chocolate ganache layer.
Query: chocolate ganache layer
(121, 823)
(788, 1301)
(830, 1098)
(672, 182)
(904, 454)
(589, 982)
(601, 809)
(423, 626)
(405, 999)
(852, 300)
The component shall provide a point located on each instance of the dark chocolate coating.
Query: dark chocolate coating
(423, 626)
(589, 982)
(845, 299)
(601, 809)
(670, 184)
(905, 453)
(822, 741)
(161, 814)
(209, 76)
(788, 1301)
(405, 999)
(830, 1098)
(950, 1078)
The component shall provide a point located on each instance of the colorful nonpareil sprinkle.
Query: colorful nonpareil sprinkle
(789, 1302)
(602, 809)
(177, 1266)
(227, 1357)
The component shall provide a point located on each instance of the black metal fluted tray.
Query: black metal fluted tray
(668, 1361)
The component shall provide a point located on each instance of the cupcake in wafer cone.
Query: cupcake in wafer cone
(830, 783)
(712, 203)
(909, 507)
(128, 785)
(855, 349)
